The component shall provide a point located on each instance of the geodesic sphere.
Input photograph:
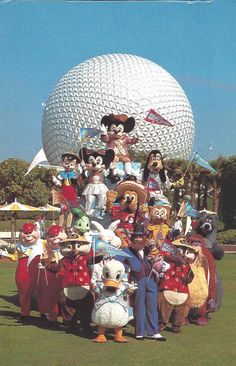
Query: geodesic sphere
(117, 83)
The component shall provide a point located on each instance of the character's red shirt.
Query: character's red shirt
(174, 278)
(74, 271)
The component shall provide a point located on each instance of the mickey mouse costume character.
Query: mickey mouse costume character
(115, 130)
(94, 164)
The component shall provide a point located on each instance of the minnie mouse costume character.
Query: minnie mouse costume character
(115, 130)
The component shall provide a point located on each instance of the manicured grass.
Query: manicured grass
(33, 345)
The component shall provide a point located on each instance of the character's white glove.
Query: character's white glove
(4, 253)
(113, 165)
(131, 287)
(40, 266)
(103, 129)
(83, 164)
(96, 288)
(165, 266)
(56, 181)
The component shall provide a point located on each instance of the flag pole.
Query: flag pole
(191, 160)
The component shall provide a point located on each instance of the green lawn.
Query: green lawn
(33, 345)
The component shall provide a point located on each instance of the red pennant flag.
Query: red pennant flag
(157, 119)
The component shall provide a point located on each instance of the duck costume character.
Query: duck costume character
(111, 306)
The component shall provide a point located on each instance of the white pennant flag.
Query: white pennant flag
(39, 158)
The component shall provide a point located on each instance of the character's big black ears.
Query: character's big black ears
(106, 120)
(129, 124)
(108, 157)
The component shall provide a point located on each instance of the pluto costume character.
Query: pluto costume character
(111, 307)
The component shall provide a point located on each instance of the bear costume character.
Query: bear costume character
(111, 306)
(206, 226)
(205, 299)
(173, 299)
(94, 164)
(67, 182)
(76, 300)
(48, 272)
(30, 250)
(115, 130)
(159, 223)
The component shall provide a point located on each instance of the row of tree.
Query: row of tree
(202, 188)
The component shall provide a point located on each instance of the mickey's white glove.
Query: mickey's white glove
(103, 129)
(40, 266)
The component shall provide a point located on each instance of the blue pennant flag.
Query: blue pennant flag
(190, 211)
(203, 163)
(100, 247)
(88, 133)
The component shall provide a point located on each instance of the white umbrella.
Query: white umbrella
(15, 207)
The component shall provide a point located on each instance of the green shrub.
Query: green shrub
(227, 237)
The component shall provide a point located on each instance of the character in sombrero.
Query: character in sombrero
(94, 165)
(124, 203)
(67, 182)
(115, 130)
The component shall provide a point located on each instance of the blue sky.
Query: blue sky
(40, 41)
